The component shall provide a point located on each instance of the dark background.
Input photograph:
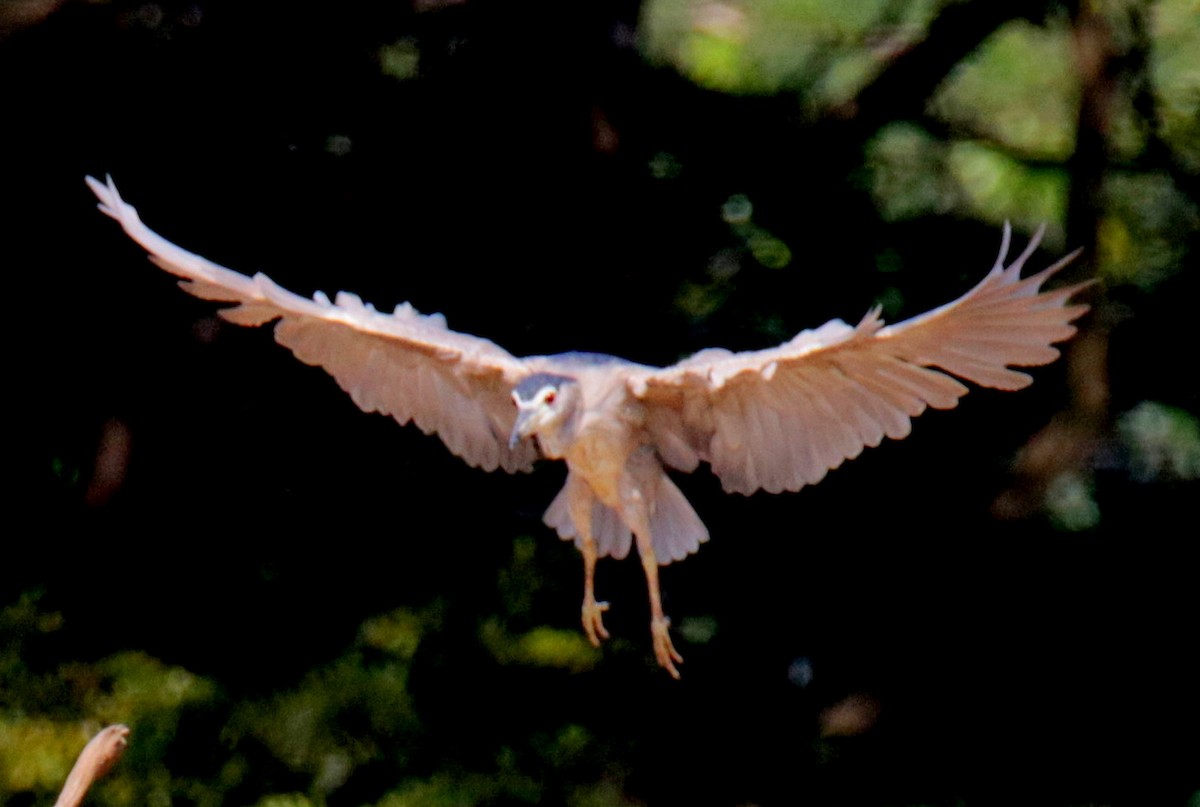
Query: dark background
(252, 518)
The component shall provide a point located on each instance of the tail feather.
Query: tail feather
(676, 529)
(613, 538)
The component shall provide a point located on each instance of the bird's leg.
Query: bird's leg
(580, 501)
(593, 622)
(660, 625)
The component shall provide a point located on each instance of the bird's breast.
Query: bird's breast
(599, 455)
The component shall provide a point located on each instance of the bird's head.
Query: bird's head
(544, 403)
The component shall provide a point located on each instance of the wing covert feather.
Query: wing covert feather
(781, 418)
(407, 365)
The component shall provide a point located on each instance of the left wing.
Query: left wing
(404, 364)
(781, 418)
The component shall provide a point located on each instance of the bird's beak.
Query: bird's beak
(520, 428)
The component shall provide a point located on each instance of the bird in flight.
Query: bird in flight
(774, 419)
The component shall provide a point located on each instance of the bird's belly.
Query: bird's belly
(600, 460)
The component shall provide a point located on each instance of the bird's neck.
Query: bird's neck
(557, 439)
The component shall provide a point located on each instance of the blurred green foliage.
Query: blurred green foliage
(401, 59)
(1175, 73)
(1071, 502)
(1144, 231)
(828, 50)
(915, 174)
(1002, 125)
(342, 719)
(1019, 91)
(1163, 442)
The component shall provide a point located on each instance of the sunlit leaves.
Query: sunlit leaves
(540, 647)
(354, 710)
(520, 580)
(698, 630)
(1163, 442)
(442, 790)
(1175, 69)
(1145, 228)
(995, 187)
(830, 49)
(287, 800)
(1155, 443)
(1019, 89)
(140, 686)
(37, 753)
(400, 59)
(907, 168)
(1071, 502)
(766, 248)
(397, 633)
(914, 174)
(46, 716)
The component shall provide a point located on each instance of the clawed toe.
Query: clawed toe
(593, 621)
(664, 650)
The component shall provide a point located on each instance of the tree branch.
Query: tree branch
(95, 760)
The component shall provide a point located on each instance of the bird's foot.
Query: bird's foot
(593, 620)
(664, 651)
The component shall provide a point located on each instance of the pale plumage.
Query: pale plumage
(774, 419)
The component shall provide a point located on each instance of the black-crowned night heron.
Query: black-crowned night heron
(774, 419)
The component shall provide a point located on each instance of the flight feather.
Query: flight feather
(405, 364)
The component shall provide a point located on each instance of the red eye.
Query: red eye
(549, 398)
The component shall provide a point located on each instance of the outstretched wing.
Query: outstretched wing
(404, 364)
(781, 418)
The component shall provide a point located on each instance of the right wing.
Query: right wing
(405, 364)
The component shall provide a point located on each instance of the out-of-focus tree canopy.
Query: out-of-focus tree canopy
(999, 609)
